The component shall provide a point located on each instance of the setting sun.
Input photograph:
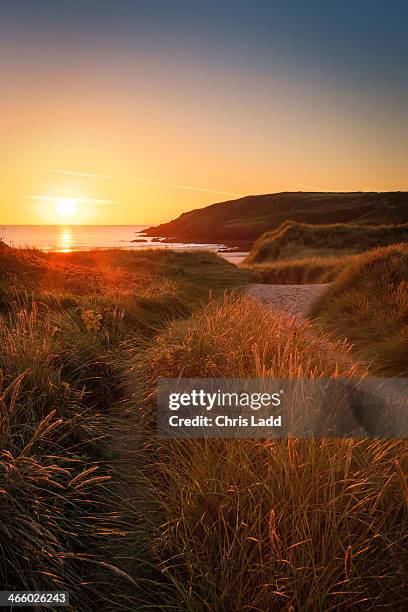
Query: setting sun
(66, 207)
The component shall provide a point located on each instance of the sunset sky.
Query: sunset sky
(133, 112)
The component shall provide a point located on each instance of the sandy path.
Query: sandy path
(292, 299)
(235, 258)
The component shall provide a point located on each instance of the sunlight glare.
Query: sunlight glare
(65, 240)
(66, 207)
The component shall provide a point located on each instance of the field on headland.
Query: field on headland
(93, 503)
(243, 220)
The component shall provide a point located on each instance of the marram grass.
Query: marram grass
(93, 503)
(268, 525)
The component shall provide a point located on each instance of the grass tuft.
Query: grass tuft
(304, 240)
(368, 304)
(265, 524)
(68, 323)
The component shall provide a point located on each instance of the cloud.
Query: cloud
(79, 200)
(147, 181)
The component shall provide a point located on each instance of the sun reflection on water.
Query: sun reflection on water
(65, 240)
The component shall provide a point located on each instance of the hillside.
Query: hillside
(245, 219)
(368, 304)
(292, 239)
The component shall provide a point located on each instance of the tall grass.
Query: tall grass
(55, 504)
(65, 323)
(299, 271)
(93, 503)
(368, 304)
(272, 524)
(301, 240)
(244, 338)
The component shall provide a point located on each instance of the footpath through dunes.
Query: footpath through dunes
(291, 299)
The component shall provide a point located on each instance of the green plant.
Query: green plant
(92, 320)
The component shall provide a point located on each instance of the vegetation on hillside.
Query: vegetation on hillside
(302, 240)
(245, 219)
(147, 273)
(368, 304)
(301, 253)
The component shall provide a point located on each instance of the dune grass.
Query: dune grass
(122, 271)
(92, 502)
(299, 271)
(368, 304)
(304, 240)
(65, 322)
(301, 253)
(257, 524)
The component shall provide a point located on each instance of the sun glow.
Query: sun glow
(65, 240)
(66, 207)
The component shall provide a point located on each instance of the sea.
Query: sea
(68, 238)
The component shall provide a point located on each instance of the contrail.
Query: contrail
(56, 199)
(144, 180)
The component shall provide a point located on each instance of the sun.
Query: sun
(66, 207)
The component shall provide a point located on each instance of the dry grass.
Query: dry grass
(300, 271)
(244, 339)
(55, 500)
(368, 304)
(337, 239)
(92, 502)
(98, 271)
(301, 253)
(267, 525)
(61, 500)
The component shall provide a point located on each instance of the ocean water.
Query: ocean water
(66, 238)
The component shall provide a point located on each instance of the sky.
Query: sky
(133, 112)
